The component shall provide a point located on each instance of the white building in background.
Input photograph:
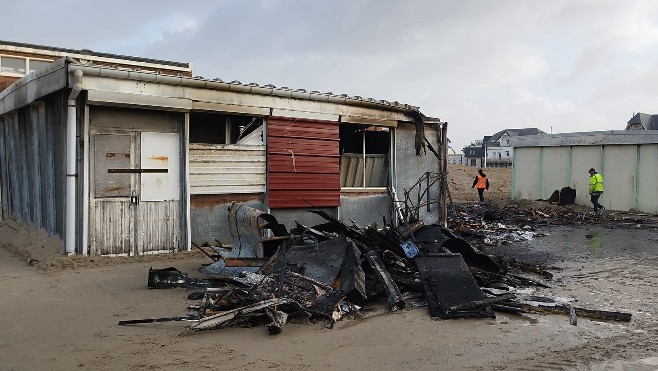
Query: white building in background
(455, 158)
(499, 152)
(626, 159)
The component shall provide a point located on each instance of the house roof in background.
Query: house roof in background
(477, 152)
(515, 133)
(649, 122)
(75, 53)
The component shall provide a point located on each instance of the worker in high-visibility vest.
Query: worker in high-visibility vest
(596, 190)
(481, 183)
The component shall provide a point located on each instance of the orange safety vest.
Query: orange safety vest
(482, 182)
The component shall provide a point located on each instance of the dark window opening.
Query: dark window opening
(214, 128)
(364, 154)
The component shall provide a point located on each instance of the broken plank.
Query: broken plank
(582, 312)
(154, 320)
(481, 303)
(226, 317)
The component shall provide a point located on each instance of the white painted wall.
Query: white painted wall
(630, 174)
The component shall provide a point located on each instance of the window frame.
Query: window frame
(13, 74)
(390, 158)
(27, 61)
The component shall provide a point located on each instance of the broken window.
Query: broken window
(364, 156)
(215, 128)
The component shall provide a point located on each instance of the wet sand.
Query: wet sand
(65, 318)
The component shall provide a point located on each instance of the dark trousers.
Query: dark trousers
(481, 194)
(595, 200)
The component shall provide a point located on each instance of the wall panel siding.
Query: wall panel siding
(226, 169)
(584, 158)
(526, 174)
(555, 170)
(33, 161)
(314, 146)
(27, 167)
(411, 167)
(630, 173)
(647, 199)
(159, 227)
(111, 228)
(4, 191)
(618, 177)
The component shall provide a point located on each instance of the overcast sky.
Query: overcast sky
(482, 66)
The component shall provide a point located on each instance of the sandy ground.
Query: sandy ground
(460, 181)
(61, 314)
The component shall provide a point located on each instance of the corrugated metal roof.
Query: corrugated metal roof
(592, 138)
(234, 85)
(269, 89)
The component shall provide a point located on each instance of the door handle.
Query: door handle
(134, 200)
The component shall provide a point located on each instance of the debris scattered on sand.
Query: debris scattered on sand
(330, 271)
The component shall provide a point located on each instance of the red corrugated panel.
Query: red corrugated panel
(303, 163)
(290, 199)
(306, 182)
(302, 129)
(300, 146)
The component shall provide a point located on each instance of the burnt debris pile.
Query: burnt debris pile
(330, 271)
(494, 225)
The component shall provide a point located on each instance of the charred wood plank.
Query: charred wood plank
(481, 303)
(212, 257)
(227, 317)
(393, 293)
(564, 309)
(155, 320)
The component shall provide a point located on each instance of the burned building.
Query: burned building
(122, 161)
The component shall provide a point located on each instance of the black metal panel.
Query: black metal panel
(448, 283)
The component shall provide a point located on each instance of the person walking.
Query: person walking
(596, 190)
(481, 183)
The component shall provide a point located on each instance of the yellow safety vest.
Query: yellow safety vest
(595, 183)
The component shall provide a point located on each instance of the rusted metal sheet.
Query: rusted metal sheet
(316, 181)
(247, 224)
(227, 169)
